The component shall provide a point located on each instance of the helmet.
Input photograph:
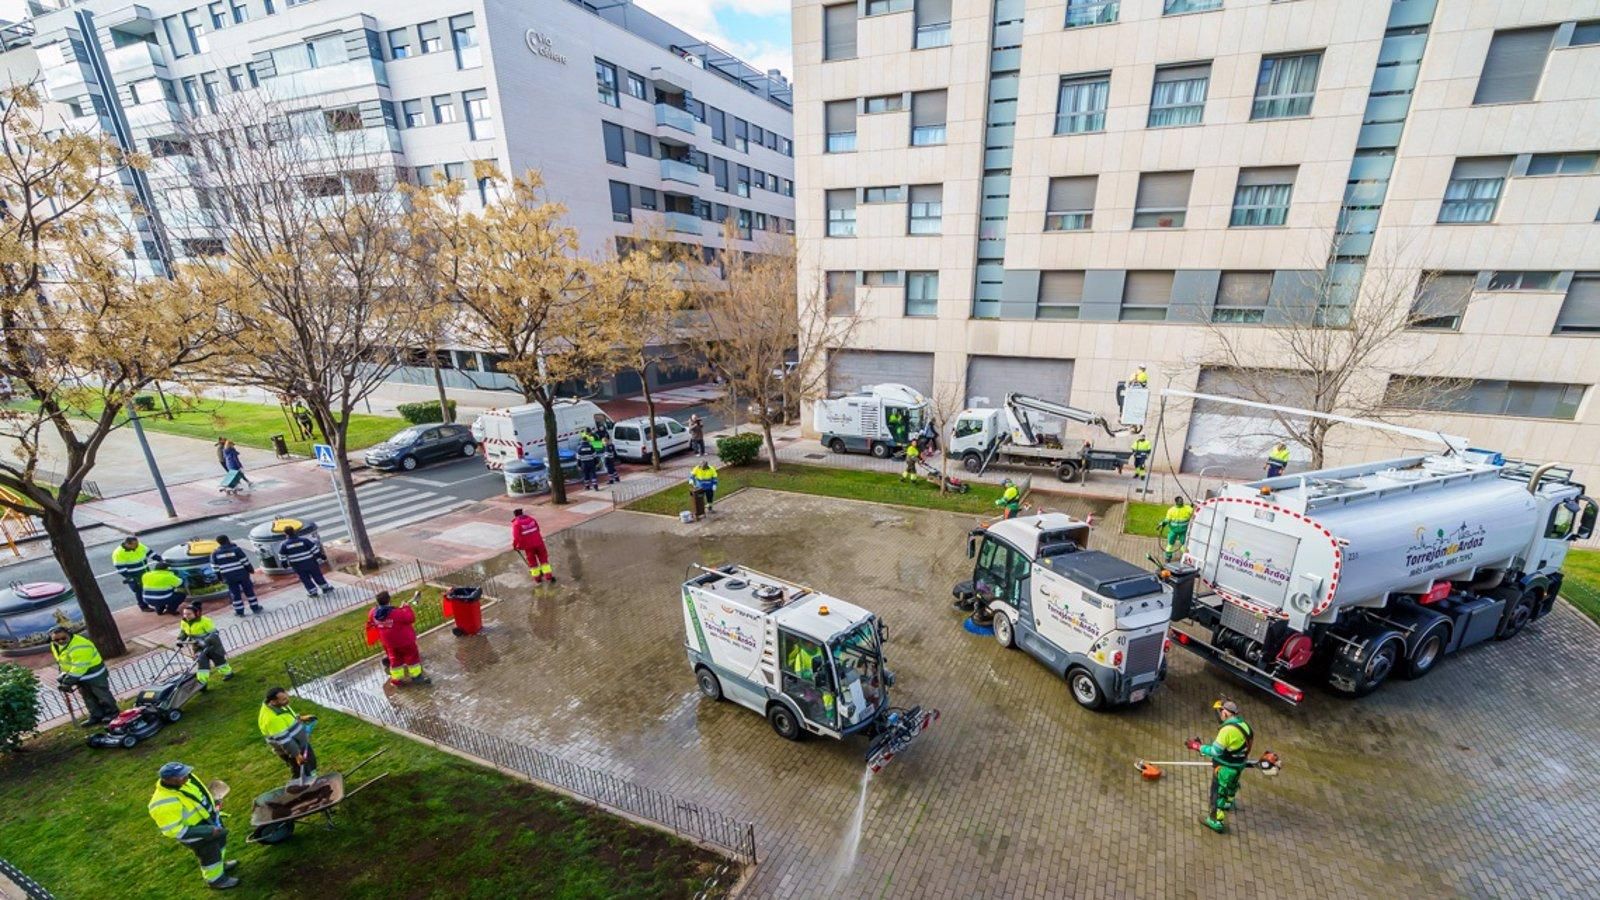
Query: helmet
(1225, 705)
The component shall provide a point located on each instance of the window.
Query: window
(879, 7)
(758, 178)
(1485, 397)
(841, 295)
(411, 112)
(219, 15)
(926, 211)
(890, 194)
(345, 118)
(425, 176)
(1262, 196)
(1514, 66)
(741, 180)
(719, 125)
(444, 110)
(616, 149)
(399, 43)
(741, 131)
(464, 38)
(933, 24)
(605, 76)
(267, 5)
(235, 80)
(1060, 295)
(362, 181)
(1441, 300)
(480, 121)
(1173, 7)
(647, 198)
(241, 13)
(927, 118)
(253, 74)
(323, 186)
(757, 135)
(643, 145)
(1146, 296)
(1286, 86)
(1081, 104)
(1070, 204)
(195, 29)
(191, 97)
(1242, 297)
(1585, 33)
(1580, 312)
(1163, 200)
(1179, 95)
(881, 279)
(636, 87)
(719, 172)
(1091, 12)
(886, 103)
(922, 293)
(840, 118)
(202, 247)
(431, 40)
(1473, 194)
(328, 50)
(1522, 281)
(621, 208)
(455, 171)
(210, 85)
(839, 31)
(841, 213)
(1562, 163)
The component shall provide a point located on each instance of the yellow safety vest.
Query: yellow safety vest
(278, 726)
(161, 580)
(177, 809)
(912, 452)
(1179, 515)
(198, 628)
(1140, 378)
(1141, 446)
(1281, 457)
(80, 657)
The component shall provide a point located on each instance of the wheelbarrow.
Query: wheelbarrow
(275, 812)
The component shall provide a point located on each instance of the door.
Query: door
(1001, 573)
(678, 435)
(626, 439)
(431, 445)
(807, 678)
(851, 370)
(1228, 440)
(990, 378)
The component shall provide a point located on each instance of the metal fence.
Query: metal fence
(30, 888)
(309, 677)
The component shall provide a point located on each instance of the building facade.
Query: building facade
(1041, 195)
(635, 124)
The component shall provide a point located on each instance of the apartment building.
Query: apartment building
(634, 123)
(1040, 195)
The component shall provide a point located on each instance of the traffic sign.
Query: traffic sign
(324, 454)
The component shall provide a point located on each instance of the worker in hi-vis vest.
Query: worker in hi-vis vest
(1229, 753)
(1175, 527)
(1277, 460)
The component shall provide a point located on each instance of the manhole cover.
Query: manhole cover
(816, 456)
(220, 501)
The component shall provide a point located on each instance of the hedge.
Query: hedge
(423, 413)
(738, 449)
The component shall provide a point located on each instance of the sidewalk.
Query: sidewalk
(201, 499)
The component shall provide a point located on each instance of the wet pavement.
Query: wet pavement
(1475, 781)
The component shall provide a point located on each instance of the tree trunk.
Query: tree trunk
(772, 447)
(650, 413)
(552, 452)
(366, 557)
(444, 401)
(67, 546)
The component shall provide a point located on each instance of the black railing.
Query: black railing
(30, 888)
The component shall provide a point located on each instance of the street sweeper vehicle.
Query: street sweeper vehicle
(1093, 619)
(808, 662)
(1363, 571)
(880, 419)
(1027, 432)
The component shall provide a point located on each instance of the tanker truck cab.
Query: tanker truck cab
(809, 663)
(1095, 620)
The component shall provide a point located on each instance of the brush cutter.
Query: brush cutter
(1269, 764)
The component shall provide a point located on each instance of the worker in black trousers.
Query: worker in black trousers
(235, 567)
(303, 555)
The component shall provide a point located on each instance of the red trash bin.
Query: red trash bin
(465, 605)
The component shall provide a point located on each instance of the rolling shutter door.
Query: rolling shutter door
(992, 377)
(851, 370)
(1233, 440)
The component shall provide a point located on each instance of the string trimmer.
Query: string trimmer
(1269, 764)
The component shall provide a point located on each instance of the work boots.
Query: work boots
(223, 883)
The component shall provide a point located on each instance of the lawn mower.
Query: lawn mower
(155, 707)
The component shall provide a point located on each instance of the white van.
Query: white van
(518, 432)
(632, 438)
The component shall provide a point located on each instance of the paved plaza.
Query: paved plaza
(1478, 780)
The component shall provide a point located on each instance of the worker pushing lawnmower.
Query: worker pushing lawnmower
(1228, 755)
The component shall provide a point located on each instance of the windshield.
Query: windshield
(859, 664)
(406, 436)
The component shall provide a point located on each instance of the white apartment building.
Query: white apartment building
(1040, 195)
(634, 123)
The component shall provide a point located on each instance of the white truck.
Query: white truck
(880, 419)
(1027, 432)
(1371, 569)
(518, 432)
(809, 663)
(1093, 619)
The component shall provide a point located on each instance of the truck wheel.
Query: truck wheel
(1379, 666)
(709, 685)
(880, 451)
(837, 445)
(1085, 689)
(1003, 632)
(1067, 472)
(1519, 613)
(784, 722)
(1427, 652)
(972, 462)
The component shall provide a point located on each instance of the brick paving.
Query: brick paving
(1475, 781)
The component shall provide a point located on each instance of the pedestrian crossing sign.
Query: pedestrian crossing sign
(324, 454)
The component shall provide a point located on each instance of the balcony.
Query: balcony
(677, 82)
(337, 78)
(137, 61)
(675, 170)
(673, 117)
(684, 223)
(160, 115)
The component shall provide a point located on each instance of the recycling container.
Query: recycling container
(192, 560)
(268, 535)
(525, 477)
(29, 611)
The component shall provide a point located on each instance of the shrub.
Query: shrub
(19, 705)
(423, 413)
(738, 449)
(144, 402)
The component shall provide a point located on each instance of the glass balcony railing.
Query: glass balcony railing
(135, 58)
(673, 117)
(686, 223)
(676, 170)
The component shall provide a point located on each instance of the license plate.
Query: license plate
(1138, 695)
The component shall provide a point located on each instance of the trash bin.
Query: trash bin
(525, 477)
(280, 446)
(29, 611)
(192, 560)
(266, 537)
(465, 605)
(699, 498)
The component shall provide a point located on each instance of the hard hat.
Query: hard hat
(176, 770)
(1227, 706)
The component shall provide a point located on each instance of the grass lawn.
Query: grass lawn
(437, 826)
(859, 484)
(1582, 587)
(1144, 518)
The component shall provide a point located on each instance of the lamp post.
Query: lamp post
(150, 460)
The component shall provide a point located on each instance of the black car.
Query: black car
(423, 444)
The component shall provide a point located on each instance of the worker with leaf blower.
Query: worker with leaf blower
(1010, 499)
(184, 810)
(395, 626)
(1229, 753)
(288, 734)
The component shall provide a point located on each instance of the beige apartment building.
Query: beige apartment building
(1040, 195)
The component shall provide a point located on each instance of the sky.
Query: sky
(757, 31)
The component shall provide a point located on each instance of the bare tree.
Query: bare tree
(946, 403)
(294, 228)
(1330, 354)
(763, 336)
(80, 335)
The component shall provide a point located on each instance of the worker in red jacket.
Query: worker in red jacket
(395, 626)
(525, 536)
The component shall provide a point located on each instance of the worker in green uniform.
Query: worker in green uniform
(185, 811)
(198, 634)
(1229, 753)
(1175, 527)
(84, 670)
(1141, 456)
(1011, 499)
(1277, 460)
(912, 455)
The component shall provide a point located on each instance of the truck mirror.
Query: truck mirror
(883, 632)
(972, 546)
(1586, 519)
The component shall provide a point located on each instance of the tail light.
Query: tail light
(1116, 659)
(1288, 692)
(1182, 638)
(520, 450)
(1166, 645)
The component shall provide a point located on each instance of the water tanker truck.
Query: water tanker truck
(1369, 570)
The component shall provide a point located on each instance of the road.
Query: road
(387, 503)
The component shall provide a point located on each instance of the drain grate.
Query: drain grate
(815, 456)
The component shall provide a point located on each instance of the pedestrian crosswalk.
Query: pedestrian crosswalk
(693, 395)
(385, 506)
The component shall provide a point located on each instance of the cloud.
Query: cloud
(700, 18)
